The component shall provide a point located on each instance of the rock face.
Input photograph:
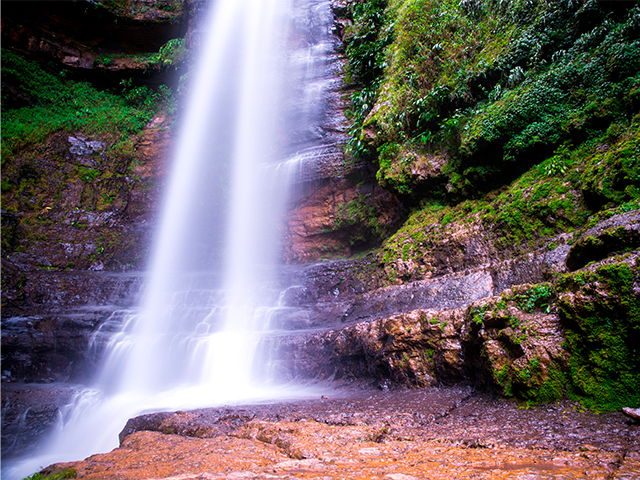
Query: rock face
(533, 340)
(105, 41)
(62, 250)
(76, 207)
(337, 218)
(59, 334)
(453, 308)
(30, 412)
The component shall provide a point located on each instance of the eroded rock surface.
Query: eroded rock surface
(434, 433)
(29, 412)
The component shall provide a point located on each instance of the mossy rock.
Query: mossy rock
(619, 233)
(513, 344)
(600, 309)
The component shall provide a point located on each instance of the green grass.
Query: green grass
(65, 474)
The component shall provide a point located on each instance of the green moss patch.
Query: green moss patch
(513, 346)
(601, 313)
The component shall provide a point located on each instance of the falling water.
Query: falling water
(210, 292)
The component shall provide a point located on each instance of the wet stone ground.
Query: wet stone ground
(443, 433)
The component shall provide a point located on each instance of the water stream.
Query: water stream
(254, 102)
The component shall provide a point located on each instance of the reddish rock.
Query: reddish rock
(395, 435)
(337, 220)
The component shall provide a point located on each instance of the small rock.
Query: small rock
(369, 451)
(80, 146)
(312, 463)
(97, 267)
(632, 412)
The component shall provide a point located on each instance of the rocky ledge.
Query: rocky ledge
(536, 327)
(391, 435)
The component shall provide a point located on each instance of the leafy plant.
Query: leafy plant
(498, 88)
(171, 55)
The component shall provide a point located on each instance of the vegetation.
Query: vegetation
(64, 474)
(493, 87)
(598, 364)
(162, 10)
(515, 119)
(49, 195)
(54, 103)
(514, 122)
(519, 362)
(601, 312)
(361, 217)
(171, 55)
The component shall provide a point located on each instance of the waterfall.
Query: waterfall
(211, 288)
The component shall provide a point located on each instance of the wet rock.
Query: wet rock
(513, 345)
(395, 435)
(29, 412)
(417, 348)
(336, 207)
(632, 412)
(600, 309)
(149, 11)
(107, 41)
(82, 146)
(333, 220)
(51, 319)
(151, 422)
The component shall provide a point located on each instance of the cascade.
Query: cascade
(212, 287)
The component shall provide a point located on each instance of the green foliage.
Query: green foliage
(601, 312)
(366, 41)
(362, 102)
(613, 175)
(64, 474)
(556, 165)
(171, 55)
(361, 216)
(500, 86)
(601, 173)
(530, 386)
(537, 297)
(60, 104)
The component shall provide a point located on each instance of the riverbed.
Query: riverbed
(364, 433)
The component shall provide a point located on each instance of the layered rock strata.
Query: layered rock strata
(105, 42)
(503, 325)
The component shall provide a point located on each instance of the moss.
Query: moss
(601, 312)
(360, 219)
(552, 388)
(520, 217)
(503, 379)
(592, 248)
(58, 104)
